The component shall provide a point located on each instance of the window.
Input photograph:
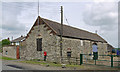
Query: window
(17, 43)
(81, 42)
(6, 52)
(39, 44)
(69, 54)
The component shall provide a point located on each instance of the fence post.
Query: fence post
(76, 60)
(111, 60)
(81, 59)
(95, 61)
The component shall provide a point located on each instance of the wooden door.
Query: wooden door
(17, 52)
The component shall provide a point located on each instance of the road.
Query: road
(4, 65)
(12, 65)
(8, 66)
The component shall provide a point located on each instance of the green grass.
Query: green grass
(6, 58)
(32, 62)
(41, 63)
(49, 63)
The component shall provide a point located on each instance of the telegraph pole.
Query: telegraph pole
(38, 13)
(61, 31)
(38, 7)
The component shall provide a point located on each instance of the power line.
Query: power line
(66, 19)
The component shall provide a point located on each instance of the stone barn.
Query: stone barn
(45, 36)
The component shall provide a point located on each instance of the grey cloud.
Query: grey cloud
(10, 24)
(102, 14)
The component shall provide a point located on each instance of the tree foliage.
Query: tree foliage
(5, 42)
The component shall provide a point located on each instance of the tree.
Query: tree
(5, 42)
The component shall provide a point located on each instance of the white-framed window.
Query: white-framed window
(81, 41)
(17, 43)
(6, 52)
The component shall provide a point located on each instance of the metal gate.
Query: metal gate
(103, 60)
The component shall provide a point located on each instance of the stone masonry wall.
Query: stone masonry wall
(48, 44)
(11, 51)
(23, 50)
(78, 47)
(51, 44)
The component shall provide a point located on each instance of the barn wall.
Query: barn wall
(11, 50)
(77, 47)
(86, 48)
(22, 50)
(49, 42)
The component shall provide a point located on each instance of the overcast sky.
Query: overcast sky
(18, 17)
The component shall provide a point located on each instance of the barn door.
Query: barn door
(17, 52)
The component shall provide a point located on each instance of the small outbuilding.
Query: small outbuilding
(13, 50)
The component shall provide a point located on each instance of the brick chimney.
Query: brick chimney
(8, 38)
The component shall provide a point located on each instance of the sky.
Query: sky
(18, 17)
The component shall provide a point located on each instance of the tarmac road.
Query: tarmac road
(12, 65)
(8, 66)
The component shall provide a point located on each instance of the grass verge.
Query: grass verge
(6, 58)
(49, 63)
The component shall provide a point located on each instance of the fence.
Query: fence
(71, 60)
(103, 60)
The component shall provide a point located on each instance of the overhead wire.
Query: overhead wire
(66, 19)
(65, 15)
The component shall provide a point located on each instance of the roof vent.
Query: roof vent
(96, 31)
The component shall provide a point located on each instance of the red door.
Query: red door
(17, 52)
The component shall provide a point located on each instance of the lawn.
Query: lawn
(6, 58)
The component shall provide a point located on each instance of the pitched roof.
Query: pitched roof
(18, 39)
(69, 31)
(73, 32)
(110, 47)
